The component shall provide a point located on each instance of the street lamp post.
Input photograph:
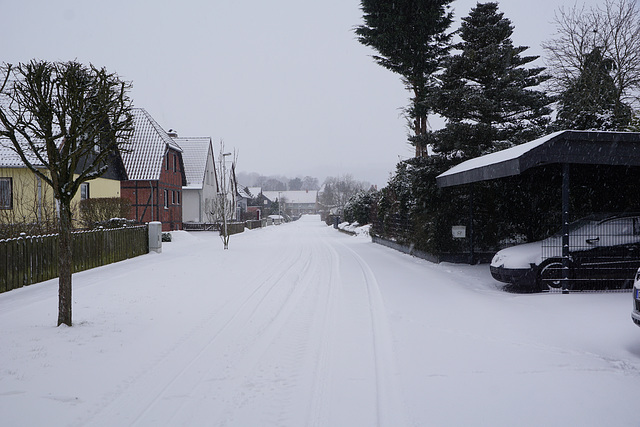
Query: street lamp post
(279, 206)
(224, 201)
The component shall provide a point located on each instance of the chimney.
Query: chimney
(172, 133)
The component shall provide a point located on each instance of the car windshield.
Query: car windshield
(601, 224)
(584, 223)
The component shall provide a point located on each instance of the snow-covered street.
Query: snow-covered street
(301, 325)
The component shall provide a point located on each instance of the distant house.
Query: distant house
(155, 170)
(256, 204)
(243, 202)
(295, 202)
(201, 189)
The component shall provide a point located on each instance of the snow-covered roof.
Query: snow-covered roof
(144, 155)
(195, 151)
(10, 159)
(499, 156)
(302, 196)
(252, 193)
(242, 192)
(581, 147)
(8, 156)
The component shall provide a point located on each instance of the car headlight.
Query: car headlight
(497, 260)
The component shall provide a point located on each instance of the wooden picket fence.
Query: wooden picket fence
(33, 259)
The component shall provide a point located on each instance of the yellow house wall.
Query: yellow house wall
(25, 196)
(100, 188)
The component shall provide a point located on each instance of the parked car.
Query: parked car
(604, 252)
(635, 314)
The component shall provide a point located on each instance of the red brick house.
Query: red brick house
(154, 166)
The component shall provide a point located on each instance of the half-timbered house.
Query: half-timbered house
(155, 170)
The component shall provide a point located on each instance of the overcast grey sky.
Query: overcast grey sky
(285, 82)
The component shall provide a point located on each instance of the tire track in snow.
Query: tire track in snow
(259, 382)
(291, 367)
(153, 383)
(390, 407)
(275, 346)
(319, 411)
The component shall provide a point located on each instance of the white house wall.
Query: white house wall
(209, 187)
(191, 209)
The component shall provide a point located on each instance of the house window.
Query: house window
(168, 161)
(166, 199)
(173, 197)
(84, 191)
(6, 193)
(175, 163)
(178, 196)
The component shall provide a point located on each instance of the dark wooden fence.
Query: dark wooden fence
(235, 227)
(33, 259)
(201, 226)
(232, 227)
(256, 223)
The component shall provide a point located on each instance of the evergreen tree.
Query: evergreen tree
(410, 38)
(486, 94)
(489, 101)
(591, 100)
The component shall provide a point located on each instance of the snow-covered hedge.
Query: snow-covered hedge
(355, 228)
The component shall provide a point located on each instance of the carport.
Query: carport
(565, 148)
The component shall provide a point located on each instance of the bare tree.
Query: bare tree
(69, 118)
(613, 28)
(223, 208)
(338, 190)
(310, 183)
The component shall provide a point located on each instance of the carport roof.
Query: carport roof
(573, 147)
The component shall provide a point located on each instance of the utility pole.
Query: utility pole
(223, 196)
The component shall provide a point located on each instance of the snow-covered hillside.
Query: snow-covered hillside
(300, 325)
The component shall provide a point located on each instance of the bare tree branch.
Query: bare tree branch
(64, 120)
(612, 27)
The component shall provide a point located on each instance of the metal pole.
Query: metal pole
(565, 227)
(472, 255)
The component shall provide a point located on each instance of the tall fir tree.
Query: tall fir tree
(591, 101)
(411, 40)
(488, 97)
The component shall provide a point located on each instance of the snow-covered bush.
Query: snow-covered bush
(358, 208)
(100, 211)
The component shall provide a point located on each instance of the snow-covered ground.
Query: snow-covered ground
(300, 325)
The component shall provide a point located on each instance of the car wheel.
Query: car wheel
(550, 276)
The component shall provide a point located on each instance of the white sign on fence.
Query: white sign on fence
(459, 231)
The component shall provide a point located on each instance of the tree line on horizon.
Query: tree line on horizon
(278, 182)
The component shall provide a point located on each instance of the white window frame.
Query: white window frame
(84, 191)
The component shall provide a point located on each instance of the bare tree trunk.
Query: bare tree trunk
(64, 264)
